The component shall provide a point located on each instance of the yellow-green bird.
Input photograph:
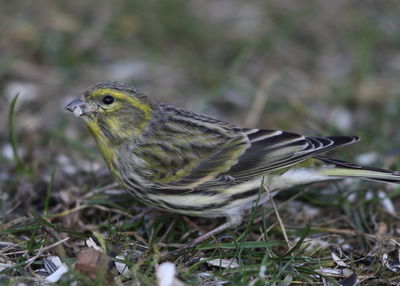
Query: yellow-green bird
(193, 164)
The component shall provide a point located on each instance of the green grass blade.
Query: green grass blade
(12, 134)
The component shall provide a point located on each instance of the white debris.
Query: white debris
(288, 279)
(334, 272)
(367, 158)
(122, 268)
(204, 275)
(313, 244)
(77, 111)
(347, 272)
(341, 118)
(262, 272)
(223, 263)
(8, 153)
(392, 265)
(310, 211)
(386, 203)
(54, 265)
(71, 168)
(338, 260)
(210, 277)
(91, 243)
(352, 197)
(166, 275)
(66, 164)
(90, 166)
(27, 91)
(330, 271)
(369, 195)
(6, 265)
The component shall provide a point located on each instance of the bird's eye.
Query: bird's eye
(108, 99)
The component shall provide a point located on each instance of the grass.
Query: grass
(12, 135)
(211, 57)
(267, 255)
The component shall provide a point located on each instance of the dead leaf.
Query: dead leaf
(93, 264)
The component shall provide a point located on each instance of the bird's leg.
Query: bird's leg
(231, 222)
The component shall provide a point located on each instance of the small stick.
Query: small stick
(260, 99)
(41, 249)
(278, 216)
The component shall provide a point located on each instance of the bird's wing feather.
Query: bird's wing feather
(273, 149)
(194, 149)
(209, 167)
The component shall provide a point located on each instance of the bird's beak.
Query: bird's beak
(77, 107)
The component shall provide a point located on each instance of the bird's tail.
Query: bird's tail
(342, 169)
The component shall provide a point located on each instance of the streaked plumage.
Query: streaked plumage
(194, 164)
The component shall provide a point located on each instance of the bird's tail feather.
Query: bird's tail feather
(342, 169)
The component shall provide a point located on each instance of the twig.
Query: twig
(41, 249)
(10, 246)
(278, 217)
(137, 236)
(281, 205)
(352, 232)
(100, 190)
(81, 207)
(260, 100)
(32, 259)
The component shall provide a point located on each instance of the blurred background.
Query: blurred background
(318, 67)
(312, 67)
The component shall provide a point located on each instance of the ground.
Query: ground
(316, 67)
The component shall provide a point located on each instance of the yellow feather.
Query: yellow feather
(102, 142)
(146, 108)
(115, 127)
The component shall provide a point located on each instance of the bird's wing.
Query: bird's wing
(198, 159)
(274, 149)
(187, 151)
(191, 151)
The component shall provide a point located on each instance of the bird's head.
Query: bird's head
(113, 111)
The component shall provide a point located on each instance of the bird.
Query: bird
(193, 164)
